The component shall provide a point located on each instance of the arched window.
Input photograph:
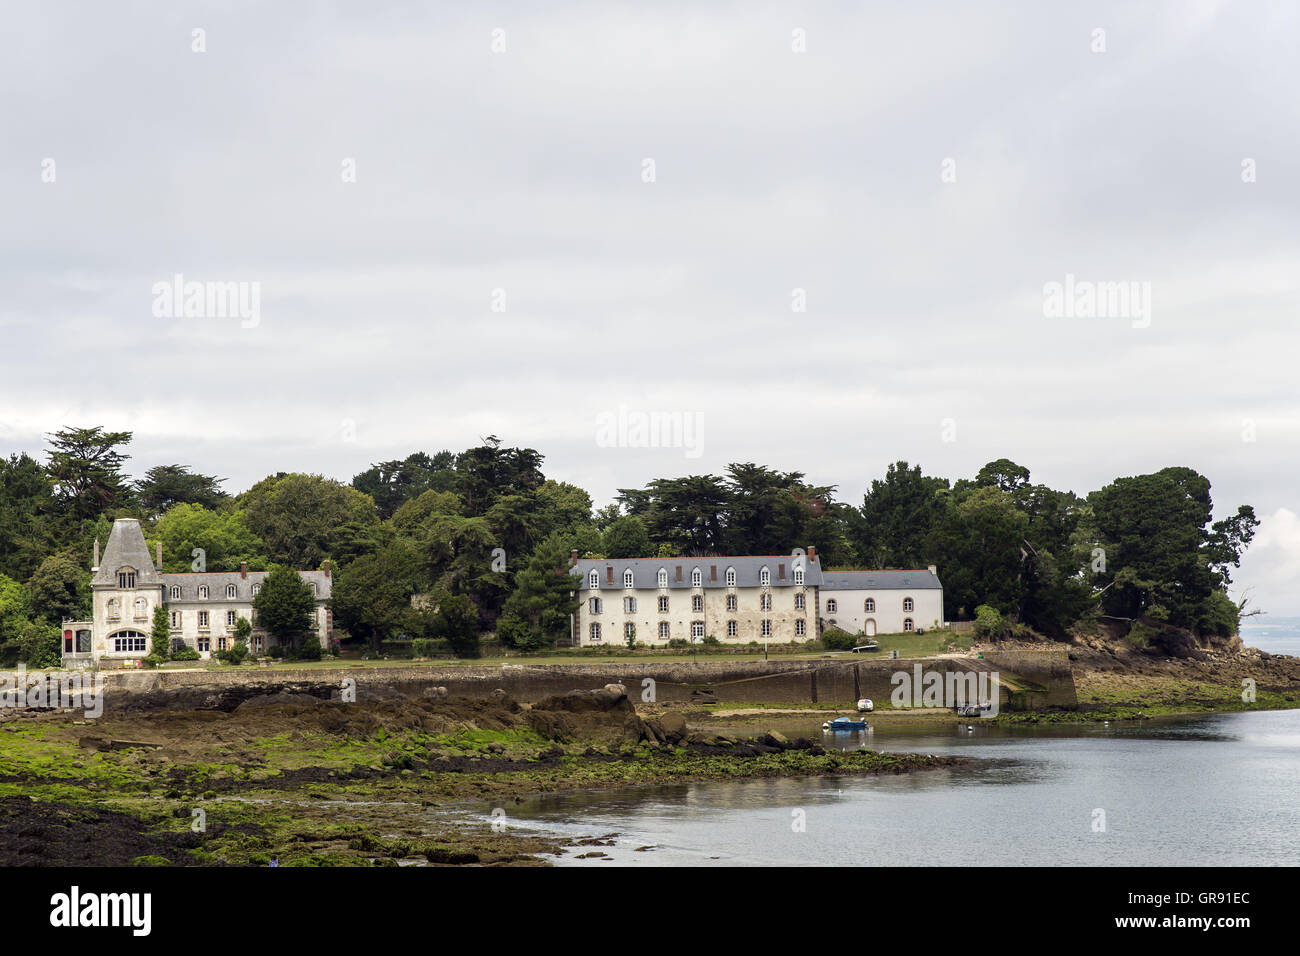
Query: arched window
(256, 588)
(907, 605)
(231, 591)
(593, 580)
(176, 593)
(128, 642)
(627, 578)
(663, 577)
(832, 605)
(697, 578)
(907, 624)
(764, 576)
(869, 605)
(111, 609)
(731, 577)
(798, 576)
(203, 592)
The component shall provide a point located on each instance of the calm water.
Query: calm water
(1218, 790)
(1277, 635)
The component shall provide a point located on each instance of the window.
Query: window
(126, 642)
(594, 605)
(907, 624)
(593, 580)
(697, 578)
(141, 609)
(663, 577)
(230, 591)
(176, 593)
(627, 578)
(176, 618)
(731, 577)
(205, 645)
(799, 628)
(256, 588)
(765, 602)
(221, 644)
(112, 609)
(869, 605)
(697, 604)
(663, 630)
(799, 601)
(203, 619)
(765, 576)
(595, 632)
(203, 592)
(697, 630)
(731, 629)
(663, 604)
(731, 602)
(907, 605)
(832, 605)
(126, 579)
(230, 619)
(629, 605)
(629, 631)
(767, 628)
(315, 588)
(798, 577)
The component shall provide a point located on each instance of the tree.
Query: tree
(1003, 474)
(626, 537)
(86, 468)
(393, 483)
(897, 516)
(161, 636)
(980, 544)
(224, 538)
(542, 602)
(452, 618)
(166, 485)
(371, 596)
(285, 605)
(59, 589)
(26, 505)
(686, 514)
(303, 519)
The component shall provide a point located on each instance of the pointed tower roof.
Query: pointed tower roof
(126, 548)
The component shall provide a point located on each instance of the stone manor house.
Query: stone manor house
(738, 599)
(127, 585)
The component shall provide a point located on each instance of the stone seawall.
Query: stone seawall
(1040, 680)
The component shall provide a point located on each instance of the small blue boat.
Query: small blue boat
(843, 723)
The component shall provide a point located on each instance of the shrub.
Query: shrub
(710, 641)
(310, 651)
(424, 647)
(186, 654)
(988, 623)
(678, 642)
(838, 639)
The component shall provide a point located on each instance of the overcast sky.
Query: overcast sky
(390, 174)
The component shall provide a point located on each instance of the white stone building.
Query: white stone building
(882, 602)
(126, 587)
(735, 599)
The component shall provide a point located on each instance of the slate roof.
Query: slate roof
(217, 581)
(645, 571)
(880, 581)
(126, 548)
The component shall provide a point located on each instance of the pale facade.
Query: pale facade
(882, 602)
(735, 599)
(203, 608)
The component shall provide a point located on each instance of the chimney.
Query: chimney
(96, 567)
(157, 550)
(243, 570)
(327, 568)
(812, 554)
(573, 557)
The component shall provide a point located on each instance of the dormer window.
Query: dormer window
(697, 578)
(593, 580)
(203, 592)
(663, 577)
(175, 593)
(765, 576)
(798, 577)
(315, 588)
(627, 578)
(126, 579)
(230, 591)
(256, 588)
(731, 577)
